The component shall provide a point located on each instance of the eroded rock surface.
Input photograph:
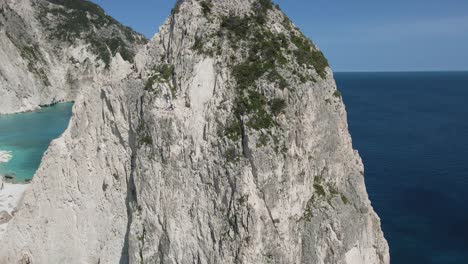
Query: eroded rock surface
(51, 49)
(228, 143)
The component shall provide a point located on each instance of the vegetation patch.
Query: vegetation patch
(176, 9)
(254, 102)
(107, 48)
(141, 238)
(287, 23)
(319, 189)
(275, 77)
(335, 193)
(84, 6)
(231, 155)
(308, 210)
(265, 54)
(165, 71)
(101, 50)
(73, 19)
(161, 73)
(206, 5)
(261, 8)
(243, 199)
(277, 106)
(40, 73)
(306, 53)
(337, 94)
(236, 26)
(247, 73)
(234, 130)
(83, 20)
(344, 199)
(198, 45)
(117, 45)
(254, 105)
(263, 140)
(261, 120)
(144, 136)
(146, 140)
(33, 57)
(150, 83)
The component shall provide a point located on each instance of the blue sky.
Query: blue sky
(362, 35)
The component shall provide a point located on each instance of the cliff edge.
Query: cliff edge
(227, 143)
(51, 49)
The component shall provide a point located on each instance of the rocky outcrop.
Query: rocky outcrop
(10, 196)
(50, 49)
(4, 217)
(227, 144)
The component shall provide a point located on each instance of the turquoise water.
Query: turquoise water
(27, 135)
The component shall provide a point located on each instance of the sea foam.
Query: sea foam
(5, 156)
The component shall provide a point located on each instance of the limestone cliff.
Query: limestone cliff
(227, 144)
(50, 49)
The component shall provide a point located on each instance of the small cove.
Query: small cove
(24, 137)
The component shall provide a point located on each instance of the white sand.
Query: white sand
(5, 156)
(10, 196)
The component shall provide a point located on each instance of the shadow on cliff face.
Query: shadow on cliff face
(131, 199)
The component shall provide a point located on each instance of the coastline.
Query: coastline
(35, 108)
(10, 196)
(12, 190)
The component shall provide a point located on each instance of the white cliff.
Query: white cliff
(10, 196)
(50, 49)
(228, 144)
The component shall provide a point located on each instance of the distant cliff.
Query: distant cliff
(51, 49)
(227, 143)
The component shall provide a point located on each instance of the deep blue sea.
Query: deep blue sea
(26, 136)
(411, 130)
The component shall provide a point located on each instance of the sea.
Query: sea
(411, 130)
(24, 138)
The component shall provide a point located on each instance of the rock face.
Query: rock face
(4, 217)
(227, 144)
(50, 49)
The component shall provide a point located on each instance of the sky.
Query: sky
(361, 35)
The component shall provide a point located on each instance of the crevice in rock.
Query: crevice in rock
(171, 35)
(131, 199)
(248, 154)
(164, 244)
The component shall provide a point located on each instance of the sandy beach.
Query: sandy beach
(10, 196)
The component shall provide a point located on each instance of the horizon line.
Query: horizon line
(394, 71)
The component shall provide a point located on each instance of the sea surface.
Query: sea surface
(25, 137)
(411, 130)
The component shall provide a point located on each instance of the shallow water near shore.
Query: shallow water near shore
(24, 138)
(411, 130)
